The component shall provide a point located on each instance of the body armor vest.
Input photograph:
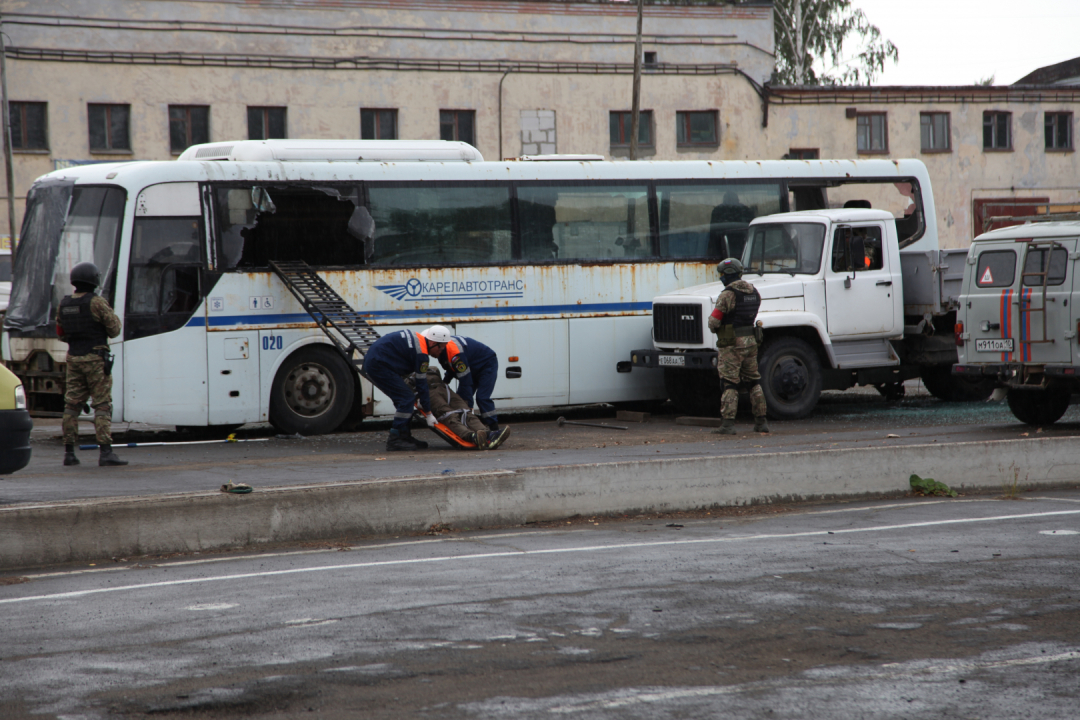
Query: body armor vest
(82, 332)
(746, 309)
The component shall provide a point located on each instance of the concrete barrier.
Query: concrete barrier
(88, 530)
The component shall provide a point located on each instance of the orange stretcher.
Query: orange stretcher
(445, 433)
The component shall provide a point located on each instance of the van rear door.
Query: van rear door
(1018, 295)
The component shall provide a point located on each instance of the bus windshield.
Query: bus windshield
(793, 248)
(64, 226)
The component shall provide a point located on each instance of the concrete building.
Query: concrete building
(108, 80)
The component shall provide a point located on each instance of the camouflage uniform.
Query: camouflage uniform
(453, 412)
(86, 378)
(738, 364)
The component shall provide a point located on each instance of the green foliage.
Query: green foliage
(809, 31)
(930, 486)
(986, 81)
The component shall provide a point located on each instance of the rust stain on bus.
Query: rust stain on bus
(554, 284)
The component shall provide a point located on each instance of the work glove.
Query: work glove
(430, 419)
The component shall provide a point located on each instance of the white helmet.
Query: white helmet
(437, 333)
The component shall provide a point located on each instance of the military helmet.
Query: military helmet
(730, 270)
(86, 273)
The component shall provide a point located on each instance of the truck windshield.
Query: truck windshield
(793, 248)
(64, 226)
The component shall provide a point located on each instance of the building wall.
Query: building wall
(510, 62)
(325, 61)
(802, 118)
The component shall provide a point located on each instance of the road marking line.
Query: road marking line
(522, 553)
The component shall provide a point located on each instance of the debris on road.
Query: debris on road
(632, 416)
(236, 488)
(563, 421)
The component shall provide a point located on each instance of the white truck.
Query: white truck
(1019, 317)
(841, 305)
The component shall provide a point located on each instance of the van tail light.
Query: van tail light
(958, 331)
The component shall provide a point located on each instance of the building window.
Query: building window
(695, 128)
(378, 124)
(803, 154)
(188, 125)
(28, 124)
(621, 123)
(871, 133)
(934, 130)
(109, 127)
(650, 60)
(266, 123)
(997, 130)
(457, 125)
(1059, 131)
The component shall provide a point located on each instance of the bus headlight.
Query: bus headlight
(20, 398)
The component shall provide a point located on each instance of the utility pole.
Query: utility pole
(8, 169)
(635, 111)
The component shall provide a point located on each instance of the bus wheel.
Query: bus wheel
(1038, 407)
(790, 378)
(696, 392)
(942, 384)
(312, 392)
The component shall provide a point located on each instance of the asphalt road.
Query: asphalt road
(842, 420)
(956, 608)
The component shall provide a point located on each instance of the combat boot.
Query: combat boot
(69, 455)
(726, 428)
(495, 439)
(761, 425)
(403, 440)
(108, 457)
(479, 440)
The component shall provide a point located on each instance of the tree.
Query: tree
(810, 36)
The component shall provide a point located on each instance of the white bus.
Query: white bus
(552, 263)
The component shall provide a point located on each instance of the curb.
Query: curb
(87, 530)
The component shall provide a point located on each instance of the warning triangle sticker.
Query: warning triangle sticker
(986, 277)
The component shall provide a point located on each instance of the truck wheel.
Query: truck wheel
(694, 392)
(312, 392)
(1038, 407)
(942, 384)
(790, 378)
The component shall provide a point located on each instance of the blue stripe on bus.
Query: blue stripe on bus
(280, 319)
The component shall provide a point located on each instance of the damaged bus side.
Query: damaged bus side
(554, 264)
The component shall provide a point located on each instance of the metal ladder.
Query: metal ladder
(345, 327)
(1025, 308)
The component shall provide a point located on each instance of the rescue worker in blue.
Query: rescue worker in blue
(387, 362)
(476, 366)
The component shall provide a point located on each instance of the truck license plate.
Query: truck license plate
(994, 345)
(678, 360)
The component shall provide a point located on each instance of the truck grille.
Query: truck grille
(677, 323)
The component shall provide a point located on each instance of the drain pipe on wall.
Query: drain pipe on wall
(500, 114)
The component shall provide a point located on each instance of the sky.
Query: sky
(961, 42)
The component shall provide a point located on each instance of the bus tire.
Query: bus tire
(942, 384)
(1038, 407)
(312, 392)
(694, 392)
(790, 377)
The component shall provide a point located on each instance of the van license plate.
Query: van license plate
(677, 360)
(994, 345)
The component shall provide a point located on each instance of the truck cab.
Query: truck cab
(833, 285)
(1018, 318)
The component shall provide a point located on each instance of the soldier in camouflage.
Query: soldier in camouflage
(86, 322)
(737, 340)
